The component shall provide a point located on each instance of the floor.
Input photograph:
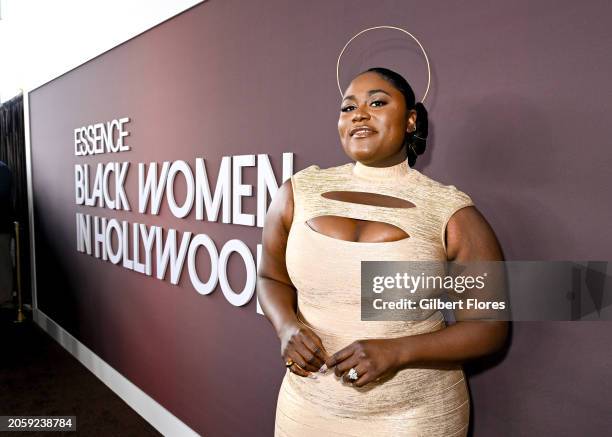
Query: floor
(39, 377)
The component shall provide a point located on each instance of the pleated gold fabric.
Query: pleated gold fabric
(326, 273)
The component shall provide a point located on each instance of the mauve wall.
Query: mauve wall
(519, 107)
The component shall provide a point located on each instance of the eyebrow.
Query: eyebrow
(378, 90)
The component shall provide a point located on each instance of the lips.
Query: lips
(361, 131)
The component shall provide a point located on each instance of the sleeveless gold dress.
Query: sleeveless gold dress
(326, 273)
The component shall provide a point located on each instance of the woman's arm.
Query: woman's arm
(275, 291)
(277, 294)
(469, 238)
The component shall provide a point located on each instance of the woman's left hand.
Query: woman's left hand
(371, 359)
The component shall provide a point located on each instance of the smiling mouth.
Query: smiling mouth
(362, 132)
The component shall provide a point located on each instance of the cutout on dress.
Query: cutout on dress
(365, 198)
(356, 230)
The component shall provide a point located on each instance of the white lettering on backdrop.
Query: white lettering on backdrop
(152, 250)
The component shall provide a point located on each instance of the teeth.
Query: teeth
(360, 131)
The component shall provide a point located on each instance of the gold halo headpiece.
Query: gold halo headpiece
(385, 27)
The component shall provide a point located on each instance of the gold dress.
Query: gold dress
(326, 273)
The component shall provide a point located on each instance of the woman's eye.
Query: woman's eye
(375, 103)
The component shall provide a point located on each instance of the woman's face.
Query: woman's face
(373, 121)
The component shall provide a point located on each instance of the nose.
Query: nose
(359, 113)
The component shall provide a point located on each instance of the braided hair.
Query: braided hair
(415, 141)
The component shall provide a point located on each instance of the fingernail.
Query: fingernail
(323, 368)
(312, 375)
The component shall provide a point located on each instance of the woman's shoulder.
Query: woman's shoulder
(316, 172)
(447, 193)
(306, 171)
(314, 168)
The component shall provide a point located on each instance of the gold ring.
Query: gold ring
(289, 363)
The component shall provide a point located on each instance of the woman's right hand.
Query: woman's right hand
(300, 344)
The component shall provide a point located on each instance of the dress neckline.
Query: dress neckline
(389, 173)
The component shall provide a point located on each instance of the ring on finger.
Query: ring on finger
(298, 366)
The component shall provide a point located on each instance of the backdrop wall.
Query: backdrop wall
(519, 110)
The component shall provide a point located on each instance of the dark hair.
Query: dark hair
(415, 142)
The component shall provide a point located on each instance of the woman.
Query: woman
(351, 377)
